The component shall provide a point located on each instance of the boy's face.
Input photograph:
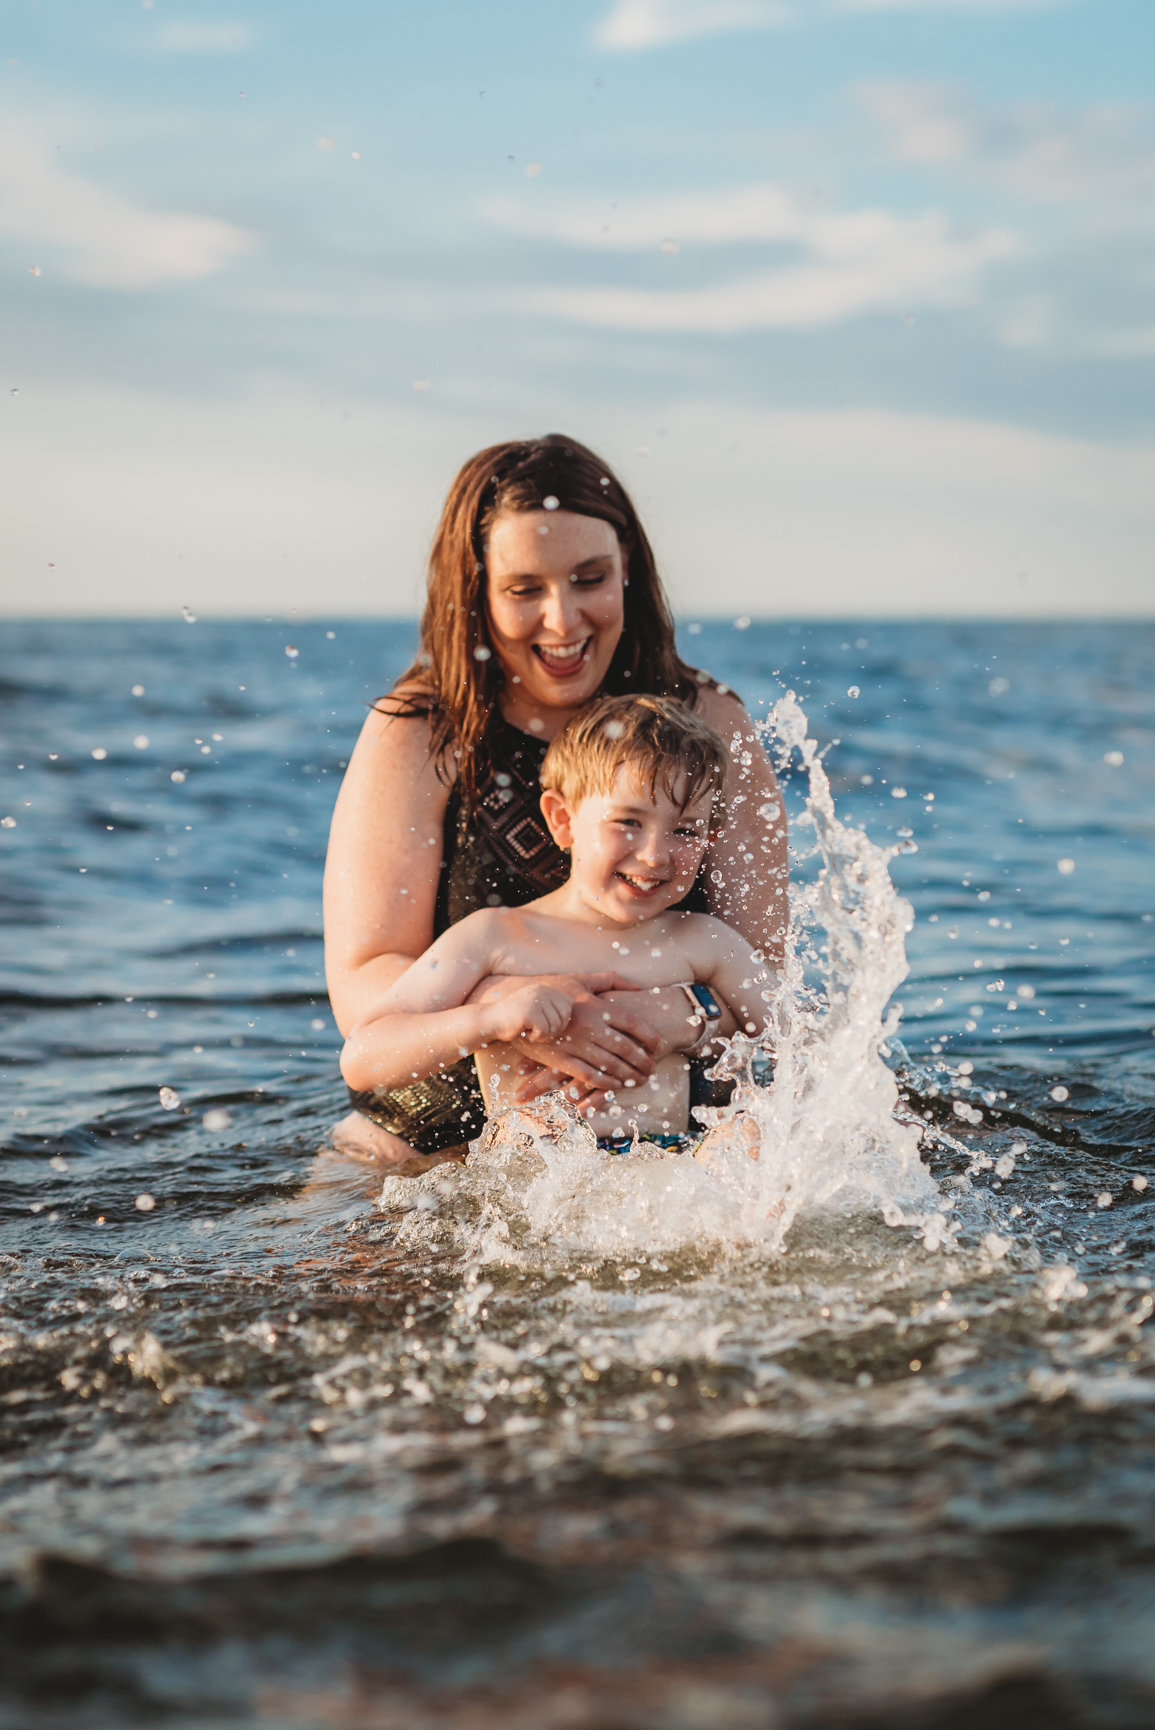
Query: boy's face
(631, 856)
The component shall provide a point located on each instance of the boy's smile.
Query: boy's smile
(632, 856)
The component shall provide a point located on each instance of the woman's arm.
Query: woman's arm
(750, 854)
(383, 864)
(426, 1020)
(381, 879)
(660, 1016)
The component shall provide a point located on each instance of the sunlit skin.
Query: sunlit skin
(554, 594)
(633, 857)
(554, 616)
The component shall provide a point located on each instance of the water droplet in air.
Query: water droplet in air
(998, 687)
(1115, 758)
(34, 270)
(550, 502)
(614, 729)
(898, 792)
(742, 622)
(853, 691)
(141, 741)
(356, 155)
(216, 1119)
(1139, 1183)
(1065, 867)
(1059, 1094)
(138, 690)
(317, 1024)
(100, 753)
(15, 390)
(169, 1098)
(146, 1203)
(177, 775)
(7, 822)
(1104, 1198)
(291, 652)
(188, 615)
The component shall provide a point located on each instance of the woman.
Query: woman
(543, 592)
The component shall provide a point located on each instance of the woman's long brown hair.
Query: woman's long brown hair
(456, 677)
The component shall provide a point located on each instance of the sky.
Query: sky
(856, 296)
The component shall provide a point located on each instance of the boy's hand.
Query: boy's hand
(537, 1011)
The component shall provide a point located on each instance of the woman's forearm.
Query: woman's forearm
(356, 991)
(397, 1047)
(668, 1011)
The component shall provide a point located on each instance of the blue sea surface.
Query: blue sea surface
(245, 1473)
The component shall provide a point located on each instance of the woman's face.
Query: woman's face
(554, 596)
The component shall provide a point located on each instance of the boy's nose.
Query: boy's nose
(653, 849)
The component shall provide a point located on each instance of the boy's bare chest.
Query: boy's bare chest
(647, 955)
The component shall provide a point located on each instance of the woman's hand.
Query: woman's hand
(669, 1022)
(605, 1042)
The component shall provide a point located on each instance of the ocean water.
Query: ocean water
(858, 1434)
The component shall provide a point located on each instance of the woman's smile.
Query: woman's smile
(561, 660)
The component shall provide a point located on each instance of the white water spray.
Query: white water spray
(823, 1131)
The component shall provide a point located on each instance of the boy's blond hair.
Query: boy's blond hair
(665, 743)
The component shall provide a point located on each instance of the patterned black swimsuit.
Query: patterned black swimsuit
(503, 857)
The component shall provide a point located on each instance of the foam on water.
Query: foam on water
(821, 1136)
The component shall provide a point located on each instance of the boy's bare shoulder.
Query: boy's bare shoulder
(704, 929)
(486, 929)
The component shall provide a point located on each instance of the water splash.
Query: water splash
(822, 1136)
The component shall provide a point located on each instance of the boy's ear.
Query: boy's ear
(556, 813)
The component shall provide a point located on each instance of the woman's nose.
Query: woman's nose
(560, 610)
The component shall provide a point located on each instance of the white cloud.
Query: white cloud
(945, 5)
(848, 263)
(764, 211)
(1103, 157)
(70, 225)
(201, 36)
(653, 23)
(635, 24)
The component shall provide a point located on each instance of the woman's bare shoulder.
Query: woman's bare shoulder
(721, 707)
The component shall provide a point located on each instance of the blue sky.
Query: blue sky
(857, 295)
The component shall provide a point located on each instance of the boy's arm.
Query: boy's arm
(422, 1023)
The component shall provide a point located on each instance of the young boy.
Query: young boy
(632, 788)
